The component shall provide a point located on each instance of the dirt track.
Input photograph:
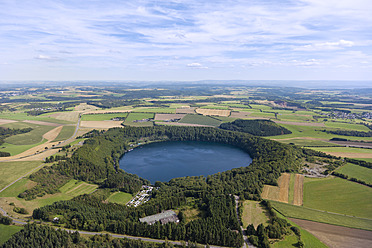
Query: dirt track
(337, 236)
(298, 190)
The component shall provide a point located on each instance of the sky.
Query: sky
(186, 40)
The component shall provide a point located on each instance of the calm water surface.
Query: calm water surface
(166, 160)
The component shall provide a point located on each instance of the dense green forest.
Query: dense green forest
(255, 127)
(349, 133)
(43, 236)
(97, 161)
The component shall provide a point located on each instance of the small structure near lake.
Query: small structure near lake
(163, 217)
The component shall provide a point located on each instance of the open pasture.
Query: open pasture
(200, 120)
(10, 171)
(139, 119)
(33, 137)
(102, 117)
(356, 171)
(18, 187)
(339, 196)
(167, 117)
(350, 152)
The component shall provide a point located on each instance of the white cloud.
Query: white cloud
(197, 65)
(326, 46)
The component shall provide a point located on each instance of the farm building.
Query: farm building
(163, 217)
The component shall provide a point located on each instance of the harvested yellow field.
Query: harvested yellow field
(101, 124)
(167, 117)
(216, 112)
(280, 192)
(4, 121)
(351, 154)
(43, 123)
(52, 134)
(185, 110)
(298, 190)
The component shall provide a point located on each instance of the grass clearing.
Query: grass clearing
(6, 231)
(30, 138)
(135, 119)
(10, 171)
(74, 188)
(200, 120)
(120, 197)
(299, 212)
(17, 149)
(102, 117)
(288, 241)
(339, 196)
(66, 132)
(356, 171)
(253, 213)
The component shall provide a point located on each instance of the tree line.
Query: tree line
(256, 127)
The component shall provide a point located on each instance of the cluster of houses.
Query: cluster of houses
(141, 197)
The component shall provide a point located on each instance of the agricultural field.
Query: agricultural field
(33, 137)
(303, 213)
(102, 117)
(351, 152)
(139, 119)
(213, 112)
(356, 171)
(338, 196)
(119, 197)
(200, 120)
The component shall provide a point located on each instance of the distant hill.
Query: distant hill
(256, 127)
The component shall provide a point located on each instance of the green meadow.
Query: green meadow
(7, 231)
(10, 171)
(120, 197)
(356, 171)
(102, 117)
(33, 137)
(66, 133)
(339, 196)
(200, 120)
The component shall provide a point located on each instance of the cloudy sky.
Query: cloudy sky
(185, 39)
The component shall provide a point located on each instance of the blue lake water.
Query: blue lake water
(166, 160)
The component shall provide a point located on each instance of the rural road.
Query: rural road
(24, 222)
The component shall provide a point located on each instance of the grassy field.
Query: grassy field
(74, 188)
(66, 132)
(33, 137)
(344, 150)
(7, 231)
(17, 149)
(20, 116)
(339, 196)
(304, 213)
(18, 187)
(102, 117)
(200, 120)
(139, 116)
(307, 142)
(10, 171)
(253, 213)
(120, 197)
(356, 171)
(347, 126)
